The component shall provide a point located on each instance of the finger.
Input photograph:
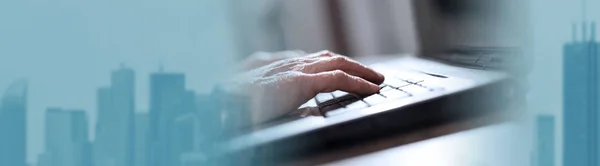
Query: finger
(288, 64)
(347, 65)
(339, 80)
(263, 58)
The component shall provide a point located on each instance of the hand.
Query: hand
(282, 86)
(260, 59)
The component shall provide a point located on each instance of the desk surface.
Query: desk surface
(474, 142)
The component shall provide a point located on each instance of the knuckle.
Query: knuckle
(310, 68)
(338, 74)
(326, 53)
(298, 68)
(338, 59)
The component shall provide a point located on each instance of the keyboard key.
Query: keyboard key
(329, 108)
(394, 82)
(394, 94)
(348, 106)
(385, 88)
(374, 99)
(414, 89)
(356, 105)
(323, 97)
(349, 98)
(431, 86)
(336, 112)
(338, 93)
(310, 103)
(413, 81)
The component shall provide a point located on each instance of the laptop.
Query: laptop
(459, 73)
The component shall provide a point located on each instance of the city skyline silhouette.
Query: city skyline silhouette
(66, 50)
(117, 141)
(552, 28)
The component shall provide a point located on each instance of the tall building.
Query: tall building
(580, 99)
(545, 140)
(102, 153)
(168, 100)
(209, 123)
(114, 145)
(13, 111)
(141, 139)
(66, 138)
(182, 137)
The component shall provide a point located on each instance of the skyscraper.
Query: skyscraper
(168, 100)
(13, 111)
(102, 153)
(545, 140)
(141, 139)
(66, 138)
(209, 123)
(182, 137)
(115, 129)
(580, 99)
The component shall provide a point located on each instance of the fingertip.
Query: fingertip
(367, 87)
(378, 79)
(382, 78)
(372, 88)
(376, 88)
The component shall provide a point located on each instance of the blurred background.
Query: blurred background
(370, 28)
(355, 27)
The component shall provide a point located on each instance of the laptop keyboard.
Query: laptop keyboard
(393, 88)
